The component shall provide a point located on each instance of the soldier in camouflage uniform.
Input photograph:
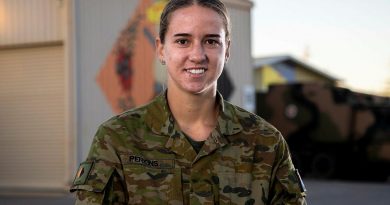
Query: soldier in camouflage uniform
(189, 146)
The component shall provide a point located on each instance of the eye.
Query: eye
(182, 41)
(212, 42)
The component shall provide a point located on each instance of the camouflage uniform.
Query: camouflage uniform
(142, 157)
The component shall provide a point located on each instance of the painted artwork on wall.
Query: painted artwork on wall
(127, 76)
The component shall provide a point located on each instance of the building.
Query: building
(66, 67)
(286, 69)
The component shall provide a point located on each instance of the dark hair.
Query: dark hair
(174, 5)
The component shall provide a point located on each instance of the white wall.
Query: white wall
(97, 26)
(240, 63)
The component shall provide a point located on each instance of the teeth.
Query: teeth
(196, 71)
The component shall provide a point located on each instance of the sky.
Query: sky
(347, 39)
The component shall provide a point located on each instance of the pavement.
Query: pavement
(347, 192)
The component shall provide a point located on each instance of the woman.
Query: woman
(189, 146)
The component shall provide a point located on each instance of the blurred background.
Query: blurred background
(317, 70)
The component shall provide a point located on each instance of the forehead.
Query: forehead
(195, 18)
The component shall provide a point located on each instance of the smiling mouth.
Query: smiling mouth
(196, 70)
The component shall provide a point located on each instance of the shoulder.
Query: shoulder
(250, 120)
(132, 118)
(120, 129)
(254, 127)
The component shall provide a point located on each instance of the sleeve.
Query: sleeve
(287, 187)
(98, 179)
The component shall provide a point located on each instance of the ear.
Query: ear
(159, 49)
(227, 52)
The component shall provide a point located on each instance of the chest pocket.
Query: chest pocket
(235, 188)
(152, 185)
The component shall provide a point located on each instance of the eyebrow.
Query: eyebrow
(187, 35)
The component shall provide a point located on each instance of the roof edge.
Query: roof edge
(280, 58)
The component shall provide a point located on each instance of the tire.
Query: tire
(323, 166)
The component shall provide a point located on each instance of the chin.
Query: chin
(195, 91)
(198, 90)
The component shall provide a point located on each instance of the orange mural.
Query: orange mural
(127, 75)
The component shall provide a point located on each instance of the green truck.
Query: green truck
(332, 132)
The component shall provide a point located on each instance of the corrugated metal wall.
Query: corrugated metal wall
(30, 21)
(34, 140)
(32, 118)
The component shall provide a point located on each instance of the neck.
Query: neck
(193, 111)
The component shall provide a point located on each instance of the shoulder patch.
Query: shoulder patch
(82, 173)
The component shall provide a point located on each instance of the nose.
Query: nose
(198, 54)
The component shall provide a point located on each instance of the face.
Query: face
(195, 49)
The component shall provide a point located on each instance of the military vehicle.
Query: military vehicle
(332, 132)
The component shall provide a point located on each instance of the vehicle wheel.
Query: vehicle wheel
(323, 165)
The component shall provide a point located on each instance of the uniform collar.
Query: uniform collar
(160, 119)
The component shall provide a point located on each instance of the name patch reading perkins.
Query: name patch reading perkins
(161, 163)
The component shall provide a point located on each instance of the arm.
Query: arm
(98, 180)
(112, 192)
(287, 186)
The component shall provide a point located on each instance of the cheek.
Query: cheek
(174, 57)
(218, 58)
(219, 54)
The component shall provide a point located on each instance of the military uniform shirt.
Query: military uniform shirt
(196, 145)
(142, 157)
